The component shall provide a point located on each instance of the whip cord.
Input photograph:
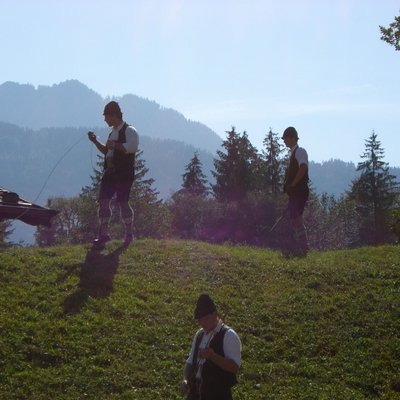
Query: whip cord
(56, 165)
(49, 175)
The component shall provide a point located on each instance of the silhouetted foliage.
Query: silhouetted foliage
(331, 223)
(194, 181)
(65, 226)
(5, 232)
(151, 215)
(391, 34)
(235, 171)
(375, 194)
(274, 163)
(192, 215)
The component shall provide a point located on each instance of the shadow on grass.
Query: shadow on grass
(96, 278)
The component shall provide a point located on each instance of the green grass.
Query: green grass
(119, 324)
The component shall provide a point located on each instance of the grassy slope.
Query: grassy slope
(118, 325)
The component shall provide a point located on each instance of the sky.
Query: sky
(317, 65)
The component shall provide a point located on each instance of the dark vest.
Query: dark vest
(215, 378)
(124, 163)
(291, 172)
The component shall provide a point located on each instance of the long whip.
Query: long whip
(49, 175)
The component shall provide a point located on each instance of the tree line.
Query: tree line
(243, 204)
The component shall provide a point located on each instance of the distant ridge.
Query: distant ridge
(73, 104)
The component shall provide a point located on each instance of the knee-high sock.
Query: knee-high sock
(300, 236)
(104, 218)
(127, 216)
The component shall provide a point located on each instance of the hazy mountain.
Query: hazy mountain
(72, 104)
(333, 176)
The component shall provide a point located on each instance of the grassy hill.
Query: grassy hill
(119, 324)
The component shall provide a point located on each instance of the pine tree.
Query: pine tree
(151, 215)
(88, 206)
(375, 193)
(194, 181)
(391, 34)
(236, 169)
(93, 189)
(273, 163)
(332, 223)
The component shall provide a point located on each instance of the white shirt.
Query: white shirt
(132, 139)
(301, 155)
(231, 345)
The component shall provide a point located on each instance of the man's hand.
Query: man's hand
(92, 137)
(110, 144)
(225, 363)
(184, 388)
(207, 353)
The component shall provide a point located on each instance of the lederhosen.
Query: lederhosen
(120, 174)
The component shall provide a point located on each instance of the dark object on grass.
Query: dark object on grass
(14, 207)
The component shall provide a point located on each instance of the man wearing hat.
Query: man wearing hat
(296, 187)
(119, 162)
(215, 356)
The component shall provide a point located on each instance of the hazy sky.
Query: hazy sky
(318, 65)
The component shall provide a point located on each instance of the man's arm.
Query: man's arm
(186, 376)
(187, 371)
(225, 363)
(100, 146)
(300, 173)
(112, 145)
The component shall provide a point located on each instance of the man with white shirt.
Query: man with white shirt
(119, 153)
(296, 187)
(215, 356)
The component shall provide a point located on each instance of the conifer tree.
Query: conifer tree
(191, 207)
(391, 34)
(194, 181)
(273, 163)
(375, 193)
(88, 205)
(235, 170)
(150, 214)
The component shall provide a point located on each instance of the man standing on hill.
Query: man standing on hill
(296, 187)
(119, 162)
(215, 356)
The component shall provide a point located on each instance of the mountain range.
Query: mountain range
(72, 104)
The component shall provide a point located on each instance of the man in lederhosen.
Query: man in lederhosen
(119, 153)
(296, 187)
